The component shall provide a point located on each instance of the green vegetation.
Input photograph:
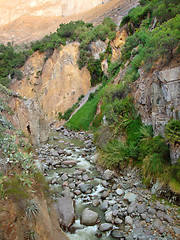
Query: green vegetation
(94, 67)
(120, 135)
(32, 209)
(12, 57)
(10, 62)
(163, 10)
(69, 111)
(100, 32)
(172, 131)
(19, 177)
(157, 35)
(84, 116)
(139, 145)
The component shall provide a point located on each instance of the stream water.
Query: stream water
(75, 150)
(68, 161)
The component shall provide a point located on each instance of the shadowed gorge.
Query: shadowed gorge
(90, 120)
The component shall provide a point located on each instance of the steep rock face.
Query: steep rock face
(10, 10)
(117, 44)
(55, 84)
(97, 48)
(29, 117)
(15, 226)
(157, 98)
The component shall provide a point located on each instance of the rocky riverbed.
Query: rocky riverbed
(94, 203)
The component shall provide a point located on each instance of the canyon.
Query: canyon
(61, 168)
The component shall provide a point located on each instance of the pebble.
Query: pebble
(105, 227)
(128, 220)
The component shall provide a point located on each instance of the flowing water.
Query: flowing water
(75, 150)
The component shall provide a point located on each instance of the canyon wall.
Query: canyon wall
(157, 98)
(10, 10)
(56, 84)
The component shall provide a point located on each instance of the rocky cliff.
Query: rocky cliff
(157, 98)
(14, 224)
(56, 84)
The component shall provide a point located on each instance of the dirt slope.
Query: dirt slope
(30, 28)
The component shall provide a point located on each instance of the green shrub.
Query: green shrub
(100, 32)
(109, 22)
(172, 131)
(94, 67)
(41, 181)
(153, 166)
(175, 171)
(115, 154)
(15, 189)
(5, 81)
(133, 131)
(10, 62)
(136, 15)
(155, 145)
(32, 209)
(113, 68)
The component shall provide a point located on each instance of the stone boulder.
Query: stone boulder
(89, 217)
(130, 197)
(105, 227)
(108, 175)
(65, 211)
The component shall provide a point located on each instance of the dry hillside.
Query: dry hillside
(29, 28)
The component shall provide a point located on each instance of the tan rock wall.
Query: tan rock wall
(117, 44)
(55, 84)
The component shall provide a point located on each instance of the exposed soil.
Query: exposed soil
(30, 28)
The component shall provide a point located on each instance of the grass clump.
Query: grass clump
(32, 209)
(14, 188)
(172, 131)
(115, 154)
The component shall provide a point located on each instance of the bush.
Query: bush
(153, 166)
(100, 32)
(94, 67)
(172, 131)
(5, 81)
(10, 62)
(32, 209)
(115, 154)
(175, 171)
(15, 189)
(113, 68)
(136, 15)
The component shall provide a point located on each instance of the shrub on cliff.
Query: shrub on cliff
(101, 32)
(172, 131)
(94, 67)
(10, 62)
